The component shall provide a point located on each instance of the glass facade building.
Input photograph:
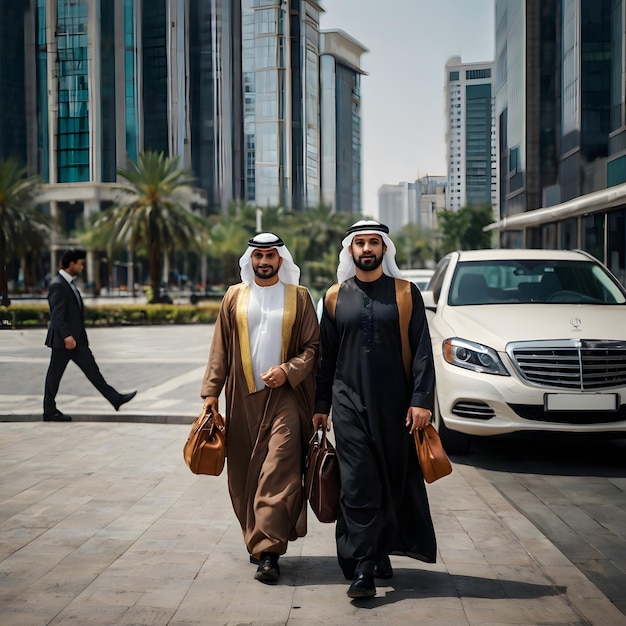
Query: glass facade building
(571, 160)
(470, 134)
(231, 87)
(340, 115)
(12, 80)
(280, 76)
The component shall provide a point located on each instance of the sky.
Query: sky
(402, 96)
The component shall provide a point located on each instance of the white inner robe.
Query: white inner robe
(265, 325)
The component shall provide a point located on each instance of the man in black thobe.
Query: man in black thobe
(378, 399)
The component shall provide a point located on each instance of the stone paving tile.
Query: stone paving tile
(104, 524)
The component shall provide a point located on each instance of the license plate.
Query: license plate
(581, 402)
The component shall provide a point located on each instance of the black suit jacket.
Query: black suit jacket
(66, 314)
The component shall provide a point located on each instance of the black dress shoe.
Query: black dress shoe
(123, 399)
(362, 586)
(383, 568)
(254, 561)
(268, 570)
(57, 416)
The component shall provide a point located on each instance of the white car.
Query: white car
(526, 340)
(420, 277)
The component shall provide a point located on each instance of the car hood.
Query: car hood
(497, 325)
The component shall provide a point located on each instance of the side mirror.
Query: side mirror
(429, 300)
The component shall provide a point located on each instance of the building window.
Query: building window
(616, 244)
(73, 93)
(593, 235)
(477, 74)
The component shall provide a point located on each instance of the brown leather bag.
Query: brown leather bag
(321, 478)
(432, 457)
(205, 449)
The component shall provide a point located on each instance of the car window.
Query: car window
(525, 281)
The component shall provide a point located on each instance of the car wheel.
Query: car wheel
(453, 441)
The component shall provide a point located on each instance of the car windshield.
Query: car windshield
(522, 281)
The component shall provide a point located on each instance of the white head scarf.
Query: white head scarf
(289, 272)
(347, 269)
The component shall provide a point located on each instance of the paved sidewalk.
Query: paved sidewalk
(101, 522)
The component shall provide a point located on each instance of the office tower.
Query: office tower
(560, 107)
(280, 75)
(412, 203)
(12, 80)
(470, 134)
(231, 87)
(398, 205)
(340, 113)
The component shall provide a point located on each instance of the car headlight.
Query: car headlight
(473, 356)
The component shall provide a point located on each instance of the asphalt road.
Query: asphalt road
(573, 489)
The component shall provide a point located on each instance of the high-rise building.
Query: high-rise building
(231, 87)
(412, 203)
(528, 103)
(340, 114)
(397, 205)
(280, 73)
(13, 80)
(560, 107)
(470, 134)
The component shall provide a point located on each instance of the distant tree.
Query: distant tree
(23, 226)
(153, 213)
(462, 229)
(413, 246)
(313, 237)
(318, 233)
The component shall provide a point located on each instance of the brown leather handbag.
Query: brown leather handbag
(321, 478)
(205, 449)
(432, 457)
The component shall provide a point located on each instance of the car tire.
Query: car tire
(453, 441)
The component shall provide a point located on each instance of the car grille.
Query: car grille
(583, 365)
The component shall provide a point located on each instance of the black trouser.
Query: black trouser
(83, 357)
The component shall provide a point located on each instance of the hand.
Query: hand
(417, 417)
(274, 377)
(70, 343)
(321, 419)
(211, 403)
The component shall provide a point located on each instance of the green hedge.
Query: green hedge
(37, 315)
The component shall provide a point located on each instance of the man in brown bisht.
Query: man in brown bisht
(265, 352)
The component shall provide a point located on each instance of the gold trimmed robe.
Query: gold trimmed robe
(267, 430)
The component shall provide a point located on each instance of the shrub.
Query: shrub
(38, 315)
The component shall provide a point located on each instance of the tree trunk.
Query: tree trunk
(155, 274)
(4, 287)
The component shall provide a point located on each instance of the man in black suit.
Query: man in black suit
(68, 339)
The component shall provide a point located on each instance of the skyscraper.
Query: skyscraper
(280, 75)
(231, 87)
(340, 112)
(470, 134)
(560, 107)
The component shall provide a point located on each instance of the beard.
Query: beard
(265, 274)
(369, 264)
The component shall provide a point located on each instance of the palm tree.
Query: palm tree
(22, 225)
(154, 213)
(319, 233)
(413, 245)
